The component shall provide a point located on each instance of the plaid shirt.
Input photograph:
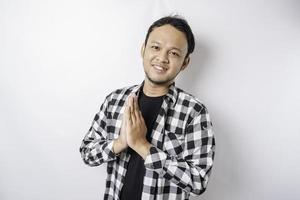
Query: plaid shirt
(182, 152)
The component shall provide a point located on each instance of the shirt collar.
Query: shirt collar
(171, 94)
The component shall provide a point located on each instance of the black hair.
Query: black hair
(180, 24)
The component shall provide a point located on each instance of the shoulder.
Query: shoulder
(195, 108)
(119, 92)
(196, 105)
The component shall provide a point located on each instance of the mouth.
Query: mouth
(159, 68)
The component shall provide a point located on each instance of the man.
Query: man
(156, 139)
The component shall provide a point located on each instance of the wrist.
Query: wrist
(118, 146)
(142, 147)
(121, 143)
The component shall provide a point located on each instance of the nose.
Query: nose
(162, 57)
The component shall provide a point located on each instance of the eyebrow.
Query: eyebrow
(171, 47)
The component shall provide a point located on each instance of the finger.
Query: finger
(137, 104)
(127, 115)
(141, 117)
(130, 102)
(124, 121)
(132, 115)
(136, 111)
(140, 114)
(133, 102)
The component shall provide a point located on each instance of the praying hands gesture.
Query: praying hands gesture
(133, 130)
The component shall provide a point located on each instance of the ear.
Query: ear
(185, 63)
(143, 49)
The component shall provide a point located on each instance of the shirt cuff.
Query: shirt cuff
(109, 153)
(155, 160)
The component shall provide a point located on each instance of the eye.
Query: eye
(155, 47)
(175, 54)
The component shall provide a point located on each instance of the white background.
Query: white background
(60, 58)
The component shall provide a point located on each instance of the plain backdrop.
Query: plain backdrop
(60, 58)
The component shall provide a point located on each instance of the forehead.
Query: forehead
(169, 36)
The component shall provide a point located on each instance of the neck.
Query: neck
(154, 90)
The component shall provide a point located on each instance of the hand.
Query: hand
(136, 129)
(122, 138)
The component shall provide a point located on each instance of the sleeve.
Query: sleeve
(95, 148)
(192, 170)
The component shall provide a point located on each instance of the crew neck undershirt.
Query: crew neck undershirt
(133, 182)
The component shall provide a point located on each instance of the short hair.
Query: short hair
(180, 24)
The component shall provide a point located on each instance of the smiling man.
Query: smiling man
(156, 139)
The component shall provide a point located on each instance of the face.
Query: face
(164, 55)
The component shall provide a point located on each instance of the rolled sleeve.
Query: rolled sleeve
(192, 170)
(155, 160)
(96, 148)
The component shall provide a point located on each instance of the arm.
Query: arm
(96, 148)
(191, 171)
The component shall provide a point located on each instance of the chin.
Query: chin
(158, 82)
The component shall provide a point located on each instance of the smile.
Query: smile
(159, 68)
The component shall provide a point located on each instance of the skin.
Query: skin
(163, 59)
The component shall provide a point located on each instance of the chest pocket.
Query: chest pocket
(173, 143)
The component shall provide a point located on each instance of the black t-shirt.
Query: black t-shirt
(133, 183)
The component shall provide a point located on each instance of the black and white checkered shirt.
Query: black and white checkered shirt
(182, 152)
